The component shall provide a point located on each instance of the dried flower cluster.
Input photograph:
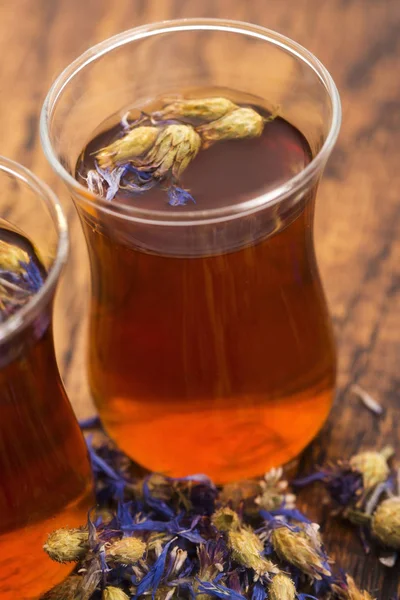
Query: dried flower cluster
(157, 148)
(184, 538)
(364, 491)
(20, 278)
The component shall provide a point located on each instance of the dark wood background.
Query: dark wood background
(358, 216)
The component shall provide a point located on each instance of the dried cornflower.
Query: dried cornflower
(238, 124)
(21, 276)
(12, 258)
(131, 146)
(67, 545)
(273, 494)
(300, 549)
(246, 548)
(126, 551)
(245, 545)
(349, 591)
(193, 549)
(373, 466)
(385, 523)
(282, 588)
(212, 558)
(225, 519)
(175, 147)
(114, 593)
(205, 109)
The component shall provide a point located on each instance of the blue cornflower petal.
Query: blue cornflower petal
(124, 518)
(259, 592)
(99, 464)
(218, 591)
(32, 275)
(152, 579)
(112, 178)
(178, 196)
(302, 481)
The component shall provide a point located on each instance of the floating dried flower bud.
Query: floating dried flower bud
(206, 109)
(66, 590)
(67, 545)
(12, 258)
(225, 519)
(131, 146)
(114, 593)
(372, 465)
(175, 147)
(238, 124)
(126, 551)
(385, 523)
(246, 548)
(299, 549)
(282, 588)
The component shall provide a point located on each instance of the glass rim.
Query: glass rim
(25, 315)
(211, 215)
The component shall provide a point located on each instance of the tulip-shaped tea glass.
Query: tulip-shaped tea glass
(45, 479)
(210, 345)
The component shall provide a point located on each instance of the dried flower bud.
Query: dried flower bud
(67, 545)
(114, 593)
(66, 590)
(225, 519)
(273, 492)
(300, 550)
(386, 523)
(175, 147)
(11, 257)
(282, 588)
(246, 548)
(133, 145)
(238, 124)
(126, 551)
(206, 109)
(373, 466)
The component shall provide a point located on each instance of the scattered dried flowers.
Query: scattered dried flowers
(365, 491)
(167, 538)
(157, 148)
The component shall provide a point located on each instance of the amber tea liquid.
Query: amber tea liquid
(222, 363)
(45, 480)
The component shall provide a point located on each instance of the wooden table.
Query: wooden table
(358, 217)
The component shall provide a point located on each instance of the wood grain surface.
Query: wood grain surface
(358, 216)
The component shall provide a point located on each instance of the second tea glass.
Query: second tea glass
(45, 476)
(210, 344)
